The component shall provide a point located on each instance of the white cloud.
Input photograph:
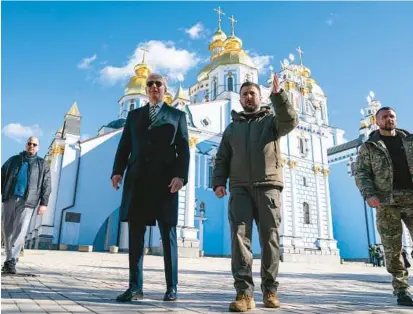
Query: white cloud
(196, 31)
(162, 57)
(86, 62)
(261, 62)
(20, 132)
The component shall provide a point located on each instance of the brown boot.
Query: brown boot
(242, 303)
(271, 300)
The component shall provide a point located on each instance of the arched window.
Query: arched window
(322, 111)
(230, 84)
(210, 171)
(304, 181)
(131, 106)
(306, 212)
(302, 146)
(215, 87)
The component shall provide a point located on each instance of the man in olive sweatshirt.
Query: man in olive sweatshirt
(249, 156)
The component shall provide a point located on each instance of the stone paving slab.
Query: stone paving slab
(74, 282)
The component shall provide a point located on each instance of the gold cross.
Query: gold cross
(233, 21)
(144, 49)
(219, 16)
(300, 52)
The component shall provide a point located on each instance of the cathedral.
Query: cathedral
(83, 210)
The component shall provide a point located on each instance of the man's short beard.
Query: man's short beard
(249, 109)
(388, 128)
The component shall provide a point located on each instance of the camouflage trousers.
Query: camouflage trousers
(389, 224)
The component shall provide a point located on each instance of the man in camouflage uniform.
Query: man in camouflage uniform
(249, 155)
(385, 179)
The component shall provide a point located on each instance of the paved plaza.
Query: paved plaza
(74, 282)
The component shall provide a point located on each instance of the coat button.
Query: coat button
(147, 159)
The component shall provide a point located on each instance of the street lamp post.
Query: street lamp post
(201, 217)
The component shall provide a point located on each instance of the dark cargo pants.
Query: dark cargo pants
(261, 204)
(389, 224)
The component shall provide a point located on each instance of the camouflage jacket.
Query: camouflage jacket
(374, 174)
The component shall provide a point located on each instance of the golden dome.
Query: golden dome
(219, 35)
(142, 70)
(167, 98)
(232, 43)
(229, 57)
(137, 83)
(305, 71)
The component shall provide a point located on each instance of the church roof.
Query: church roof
(180, 94)
(346, 146)
(74, 110)
(116, 124)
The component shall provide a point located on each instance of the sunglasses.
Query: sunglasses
(151, 83)
(32, 144)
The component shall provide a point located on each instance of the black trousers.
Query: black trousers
(136, 252)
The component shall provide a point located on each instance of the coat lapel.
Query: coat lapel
(160, 117)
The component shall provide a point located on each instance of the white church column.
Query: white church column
(189, 232)
(329, 218)
(55, 169)
(332, 244)
(124, 237)
(297, 239)
(44, 225)
(285, 234)
(322, 242)
(319, 204)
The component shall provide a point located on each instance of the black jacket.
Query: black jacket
(152, 154)
(37, 190)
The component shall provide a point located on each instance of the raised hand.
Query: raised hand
(275, 84)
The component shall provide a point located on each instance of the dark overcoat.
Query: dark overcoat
(152, 155)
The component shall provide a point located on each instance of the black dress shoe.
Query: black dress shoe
(170, 295)
(129, 296)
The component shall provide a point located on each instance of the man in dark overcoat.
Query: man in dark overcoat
(154, 151)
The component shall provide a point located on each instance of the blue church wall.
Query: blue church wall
(214, 226)
(349, 215)
(112, 228)
(217, 236)
(95, 193)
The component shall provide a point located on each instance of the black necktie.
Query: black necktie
(152, 112)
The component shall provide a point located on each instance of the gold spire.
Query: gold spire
(180, 94)
(233, 21)
(74, 110)
(300, 53)
(219, 12)
(137, 83)
(144, 49)
(218, 38)
(232, 43)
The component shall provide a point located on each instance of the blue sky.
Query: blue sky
(56, 53)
